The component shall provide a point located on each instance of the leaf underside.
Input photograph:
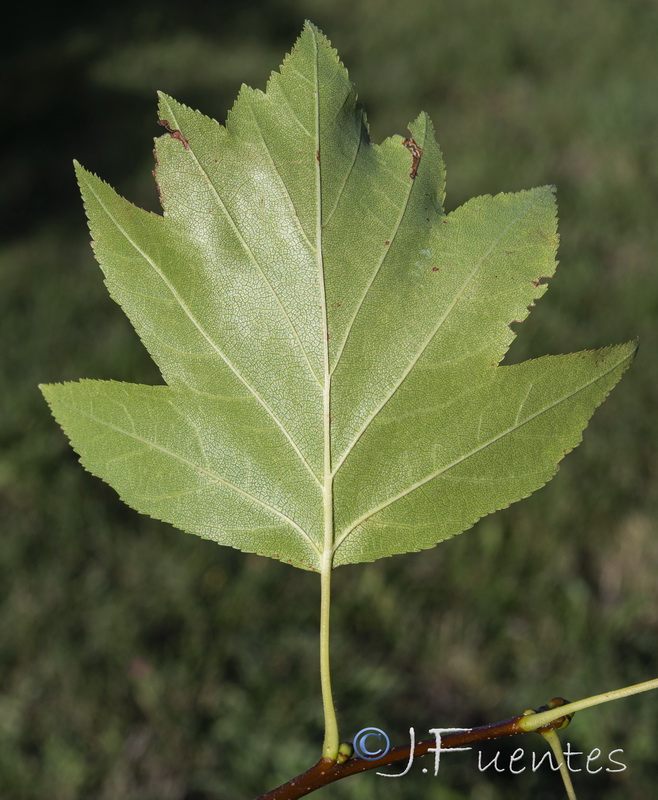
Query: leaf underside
(330, 339)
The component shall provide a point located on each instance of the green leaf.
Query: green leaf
(330, 339)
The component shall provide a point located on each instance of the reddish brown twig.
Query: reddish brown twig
(555, 715)
(325, 771)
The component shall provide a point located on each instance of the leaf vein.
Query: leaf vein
(474, 451)
(437, 327)
(203, 332)
(202, 470)
(245, 245)
(387, 250)
(348, 173)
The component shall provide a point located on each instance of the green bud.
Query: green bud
(344, 752)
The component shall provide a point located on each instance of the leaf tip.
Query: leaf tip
(83, 178)
(49, 391)
(164, 102)
(312, 27)
(631, 349)
(81, 173)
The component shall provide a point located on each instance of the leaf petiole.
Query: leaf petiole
(331, 738)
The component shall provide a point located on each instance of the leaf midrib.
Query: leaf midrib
(328, 483)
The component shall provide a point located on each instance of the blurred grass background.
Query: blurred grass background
(142, 664)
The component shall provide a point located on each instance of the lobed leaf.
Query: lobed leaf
(329, 337)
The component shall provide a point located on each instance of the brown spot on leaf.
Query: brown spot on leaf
(435, 269)
(416, 153)
(174, 132)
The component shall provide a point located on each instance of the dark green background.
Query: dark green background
(137, 663)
